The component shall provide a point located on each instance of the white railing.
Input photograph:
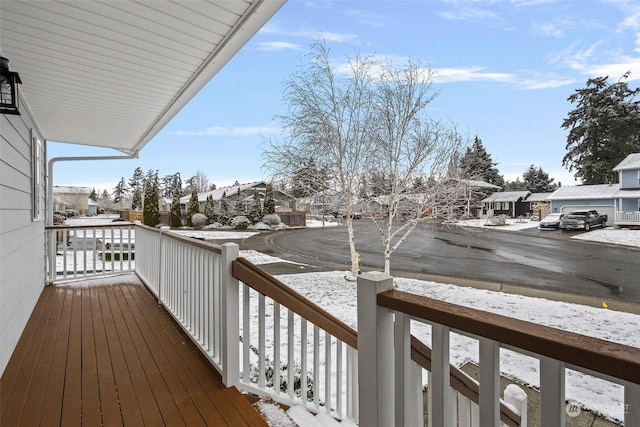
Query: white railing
(195, 282)
(627, 218)
(83, 252)
(384, 316)
(185, 275)
(286, 339)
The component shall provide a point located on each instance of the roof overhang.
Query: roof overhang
(112, 74)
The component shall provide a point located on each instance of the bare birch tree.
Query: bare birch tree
(329, 119)
(370, 122)
(411, 147)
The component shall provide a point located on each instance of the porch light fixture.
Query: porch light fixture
(9, 82)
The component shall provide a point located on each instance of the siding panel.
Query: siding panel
(22, 257)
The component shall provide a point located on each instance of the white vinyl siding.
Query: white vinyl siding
(22, 245)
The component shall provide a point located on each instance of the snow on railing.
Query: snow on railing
(82, 252)
(384, 317)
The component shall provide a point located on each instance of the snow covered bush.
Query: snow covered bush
(213, 226)
(199, 220)
(271, 219)
(240, 222)
(58, 219)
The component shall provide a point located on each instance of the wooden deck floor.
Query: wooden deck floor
(109, 355)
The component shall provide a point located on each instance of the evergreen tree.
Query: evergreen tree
(225, 215)
(193, 207)
(269, 201)
(151, 206)
(309, 179)
(516, 185)
(136, 184)
(105, 195)
(537, 181)
(93, 196)
(120, 191)
(476, 163)
(603, 129)
(255, 214)
(210, 210)
(175, 219)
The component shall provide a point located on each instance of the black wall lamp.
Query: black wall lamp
(9, 82)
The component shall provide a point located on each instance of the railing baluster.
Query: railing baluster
(439, 389)
(261, 341)
(290, 354)
(631, 404)
(552, 400)
(276, 347)
(246, 335)
(316, 367)
(327, 372)
(303, 360)
(339, 378)
(489, 382)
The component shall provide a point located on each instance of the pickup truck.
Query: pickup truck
(582, 220)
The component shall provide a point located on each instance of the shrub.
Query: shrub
(59, 219)
(271, 219)
(240, 222)
(259, 226)
(213, 226)
(199, 220)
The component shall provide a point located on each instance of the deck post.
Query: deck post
(230, 297)
(375, 352)
(552, 388)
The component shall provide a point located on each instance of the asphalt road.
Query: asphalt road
(531, 259)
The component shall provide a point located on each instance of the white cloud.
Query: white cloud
(226, 131)
(276, 46)
(449, 75)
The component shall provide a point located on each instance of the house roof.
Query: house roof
(59, 189)
(580, 192)
(538, 197)
(476, 183)
(112, 74)
(230, 190)
(632, 161)
(506, 196)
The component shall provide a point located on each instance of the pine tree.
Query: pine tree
(136, 185)
(537, 181)
(93, 195)
(176, 191)
(255, 214)
(476, 163)
(151, 206)
(603, 129)
(193, 207)
(120, 191)
(225, 215)
(210, 210)
(269, 201)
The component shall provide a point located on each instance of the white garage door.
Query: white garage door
(609, 210)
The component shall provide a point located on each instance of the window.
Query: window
(36, 176)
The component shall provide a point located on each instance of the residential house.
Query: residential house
(600, 197)
(71, 198)
(510, 203)
(240, 197)
(536, 199)
(160, 54)
(620, 201)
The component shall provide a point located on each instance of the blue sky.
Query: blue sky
(505, 70)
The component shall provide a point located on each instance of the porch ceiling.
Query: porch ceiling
(112, 74)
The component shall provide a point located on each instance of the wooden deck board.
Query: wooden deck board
(109, 355)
